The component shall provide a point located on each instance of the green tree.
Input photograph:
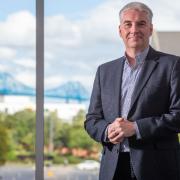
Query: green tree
(78, 120)
(22, 128)
(78, 136)
(62, 136)
(80, 139)
(65, 134)
(4, 144)
(52, 123)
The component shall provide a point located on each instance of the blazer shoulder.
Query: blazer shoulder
(164, 55)
(160, 56)
(112, 64)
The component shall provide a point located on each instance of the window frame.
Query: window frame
(39, 146)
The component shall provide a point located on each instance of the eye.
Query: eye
(141, 24)
(127, 25)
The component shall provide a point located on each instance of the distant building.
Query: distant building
(11, 104)
(66, 111)
(166, 41)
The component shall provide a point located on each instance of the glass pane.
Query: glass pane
(17, 90)
(79, 36)
(77, 40)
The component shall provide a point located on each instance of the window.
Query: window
(75, 34)
(17, 90)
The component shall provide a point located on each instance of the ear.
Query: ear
(120, 30)
(151, 29)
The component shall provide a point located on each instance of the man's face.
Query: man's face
(135, 29)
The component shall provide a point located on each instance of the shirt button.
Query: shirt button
(117, 151)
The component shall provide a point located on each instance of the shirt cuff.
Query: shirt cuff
(106, 139)
(138, 135)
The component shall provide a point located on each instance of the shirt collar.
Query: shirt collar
(140, 57)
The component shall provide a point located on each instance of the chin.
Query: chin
(136, 45)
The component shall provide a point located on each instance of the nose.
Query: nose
(134, 28)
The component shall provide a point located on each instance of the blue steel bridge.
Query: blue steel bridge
(68, 91)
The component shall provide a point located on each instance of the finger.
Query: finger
(118, 138)
(117, 141)
(113, 134)
(120, 119)
(110, 130)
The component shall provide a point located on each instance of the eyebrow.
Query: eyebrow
(127, 21)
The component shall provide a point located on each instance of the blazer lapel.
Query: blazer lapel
(147, 69)
(118, 71)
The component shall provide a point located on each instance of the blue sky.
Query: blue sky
(68, 7)
(79, 36)
(10, 6)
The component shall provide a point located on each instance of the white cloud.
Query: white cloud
(74, 47)
(166, 13)
(7, 53)
(101, 25)
(26, 62)
(86, 80)
(18, 30)
(26, 78)
(99, 34)
(78, 46)
(61, 31)
(54, 81)
(48, 55)
(3, 68)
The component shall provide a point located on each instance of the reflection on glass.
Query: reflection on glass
(17, 90)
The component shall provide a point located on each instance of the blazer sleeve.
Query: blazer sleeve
(95, 124)
(166, 123)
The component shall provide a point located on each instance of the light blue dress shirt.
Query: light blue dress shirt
(129, 79)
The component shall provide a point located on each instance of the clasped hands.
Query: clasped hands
(120, 129)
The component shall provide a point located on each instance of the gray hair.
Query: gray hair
(137, 6)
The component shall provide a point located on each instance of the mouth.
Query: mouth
(135, 38)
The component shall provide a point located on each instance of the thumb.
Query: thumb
(120, 119)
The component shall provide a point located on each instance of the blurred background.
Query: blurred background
(79, 36)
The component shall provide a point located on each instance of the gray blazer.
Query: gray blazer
(155, 106)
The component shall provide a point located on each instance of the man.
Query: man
(135, 106)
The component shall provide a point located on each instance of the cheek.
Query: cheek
(120, 33)
(123, 34)
(150, 31)
(149, 34)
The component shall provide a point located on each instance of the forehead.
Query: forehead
(134, 15)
